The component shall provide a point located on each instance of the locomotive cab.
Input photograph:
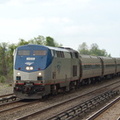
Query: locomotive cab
(30, 61)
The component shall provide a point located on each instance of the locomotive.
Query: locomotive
(41, 70)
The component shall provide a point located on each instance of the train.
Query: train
(42, 70)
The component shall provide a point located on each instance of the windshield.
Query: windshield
(23, 52)
(39, 52)
(28, 52)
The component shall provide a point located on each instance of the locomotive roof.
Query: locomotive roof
(91, 56)
(64, 49)
(103, 57)
(88, 56)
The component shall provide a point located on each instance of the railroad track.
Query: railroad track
(7, 98)
(85, 107)
(6, 95)
(51, 110)
(15, 105)
(104, 109)
(19, 106)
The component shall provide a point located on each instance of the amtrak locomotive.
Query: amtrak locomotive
(42, 70)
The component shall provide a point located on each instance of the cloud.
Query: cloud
(19, 28)
(4, 1)
(21, 23)
(59, 20)
(19, 2)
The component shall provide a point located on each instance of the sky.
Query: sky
(69, 22)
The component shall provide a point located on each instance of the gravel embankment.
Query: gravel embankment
(5, 89)
(111, 114)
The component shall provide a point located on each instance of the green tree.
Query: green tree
(83, 49)
(3, 62)
(50, 41)
(37, 40)
(98, 52)
(22, 42)
(9, 58)
(94, 50)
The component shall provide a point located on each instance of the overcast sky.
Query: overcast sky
(69, 22)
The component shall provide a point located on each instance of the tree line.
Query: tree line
(6, 53)
(92, 50)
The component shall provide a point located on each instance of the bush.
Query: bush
(2, 79)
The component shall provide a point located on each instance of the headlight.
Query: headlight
(40, 74)
(29, 68)
(18, 74)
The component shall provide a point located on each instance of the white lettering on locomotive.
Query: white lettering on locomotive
(30, 58)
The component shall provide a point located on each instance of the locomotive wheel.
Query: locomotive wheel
(72, 86)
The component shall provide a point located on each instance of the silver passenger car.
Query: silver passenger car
(109, 66)
(91, 66)
(117, 60)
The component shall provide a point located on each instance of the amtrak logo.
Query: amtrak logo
(29, 63)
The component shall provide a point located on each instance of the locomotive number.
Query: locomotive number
(30, 58)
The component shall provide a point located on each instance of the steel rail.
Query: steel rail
(19, 106)
(6, 95)
(102, 110)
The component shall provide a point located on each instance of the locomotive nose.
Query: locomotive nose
(28, 87)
